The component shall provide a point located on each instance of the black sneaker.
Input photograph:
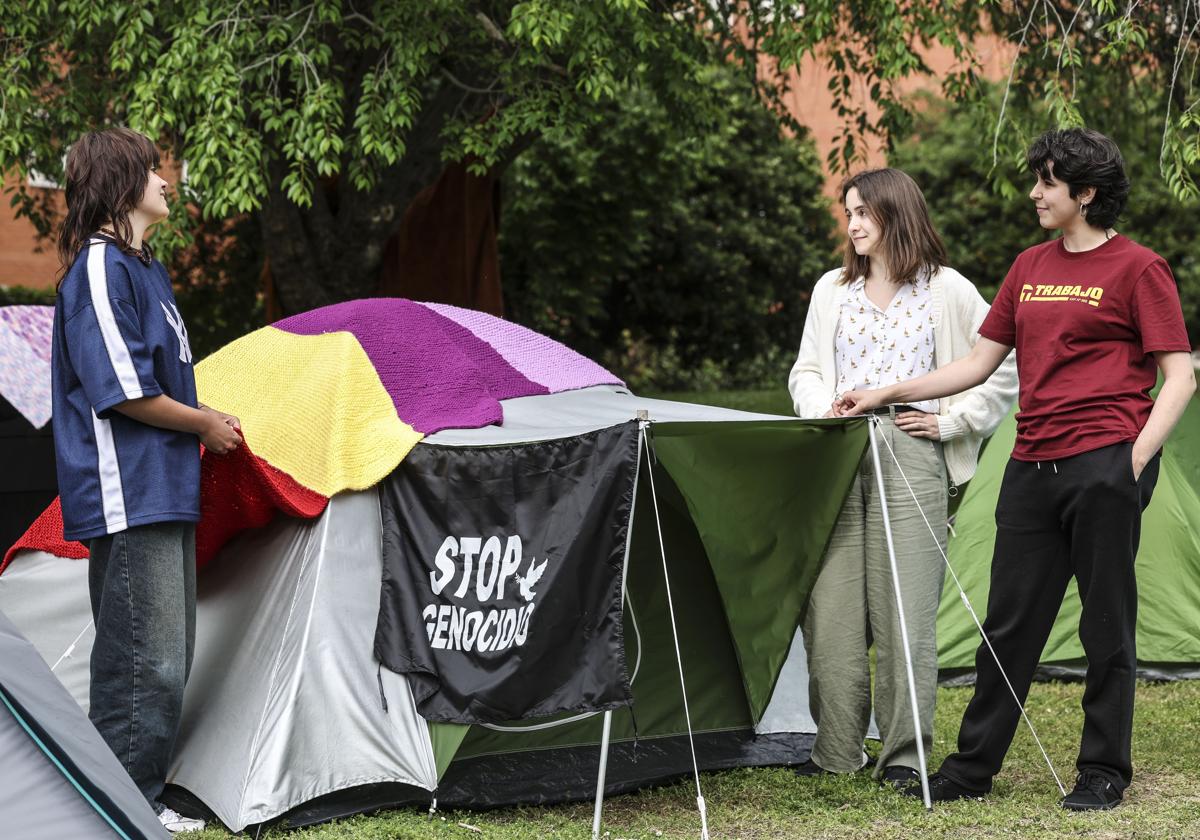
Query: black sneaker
(944, 789)
(1093, 792)
(900, 777)
(811, 768)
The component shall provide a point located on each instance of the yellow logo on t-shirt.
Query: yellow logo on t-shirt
(1050, 292)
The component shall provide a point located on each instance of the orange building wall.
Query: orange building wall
(810, 101)
(20, 262)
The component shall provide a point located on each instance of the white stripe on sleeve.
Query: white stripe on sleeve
(112, 494)
(114, 342)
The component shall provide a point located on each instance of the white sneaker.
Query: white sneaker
(176, 823)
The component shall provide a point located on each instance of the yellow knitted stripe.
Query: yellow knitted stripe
(311, 406)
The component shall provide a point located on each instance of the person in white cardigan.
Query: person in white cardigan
(894, 310)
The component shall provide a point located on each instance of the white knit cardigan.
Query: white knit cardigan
(965, 419)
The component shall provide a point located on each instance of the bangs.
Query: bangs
(1043, 168)
(145, 150)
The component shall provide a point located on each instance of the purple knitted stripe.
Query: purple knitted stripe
(437, 373)
(502, 379)
(542, 359)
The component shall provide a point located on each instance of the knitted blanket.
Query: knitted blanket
(238, 492)
(338, 396)
(335, 398)
(25, 335)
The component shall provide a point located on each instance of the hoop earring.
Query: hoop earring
(1083, 210)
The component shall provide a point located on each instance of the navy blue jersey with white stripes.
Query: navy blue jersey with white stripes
(118, 336)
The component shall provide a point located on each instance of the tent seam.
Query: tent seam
(61, 768)
(271, 682)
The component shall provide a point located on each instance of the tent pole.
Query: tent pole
(71, 647)
(600, 778)
(872, 422)
(975, 618)
(700, 806)
(643, 421)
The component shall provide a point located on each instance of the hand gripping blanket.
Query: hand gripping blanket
(335, 398)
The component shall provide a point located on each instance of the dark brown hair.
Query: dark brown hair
(909, 244)
(106, 175)
(1082, 158)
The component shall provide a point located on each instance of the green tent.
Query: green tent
(732, 497)
(289, 717)
(1168, 567)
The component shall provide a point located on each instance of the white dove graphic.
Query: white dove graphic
(532, 575)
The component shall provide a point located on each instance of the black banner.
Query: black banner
(501, 595)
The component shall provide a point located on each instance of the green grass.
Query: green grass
(755, 804)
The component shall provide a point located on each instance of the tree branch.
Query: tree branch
(493, 31)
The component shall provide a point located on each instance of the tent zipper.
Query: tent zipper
(382, 696)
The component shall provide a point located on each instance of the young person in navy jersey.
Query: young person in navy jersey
(1094, 317)
(127, 435)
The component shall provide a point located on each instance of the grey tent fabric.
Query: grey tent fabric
(36, 800)
(283, 705)
(58, 778)
(783, 714)
(58, 626)
(549, 416)
(284, 657)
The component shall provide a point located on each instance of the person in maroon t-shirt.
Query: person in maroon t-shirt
(1094, 318)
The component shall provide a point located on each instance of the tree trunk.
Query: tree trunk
(332, 250)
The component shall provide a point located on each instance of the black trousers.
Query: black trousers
(1078, 516)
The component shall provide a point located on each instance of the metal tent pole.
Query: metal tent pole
(599, 807)
(912, 687)
(643, 418)
(700, 805)
(975, 618)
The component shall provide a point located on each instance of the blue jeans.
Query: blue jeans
(143, 590)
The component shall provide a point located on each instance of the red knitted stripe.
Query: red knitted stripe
(241, 491)
(238, 492)
(46, 534)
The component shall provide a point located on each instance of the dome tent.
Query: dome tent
(288, 714)
(1168, 568)
(27, 483)
(59, 777)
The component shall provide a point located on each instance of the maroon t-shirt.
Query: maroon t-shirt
(1084, 325)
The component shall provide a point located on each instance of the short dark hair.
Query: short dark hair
(1082, 158)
